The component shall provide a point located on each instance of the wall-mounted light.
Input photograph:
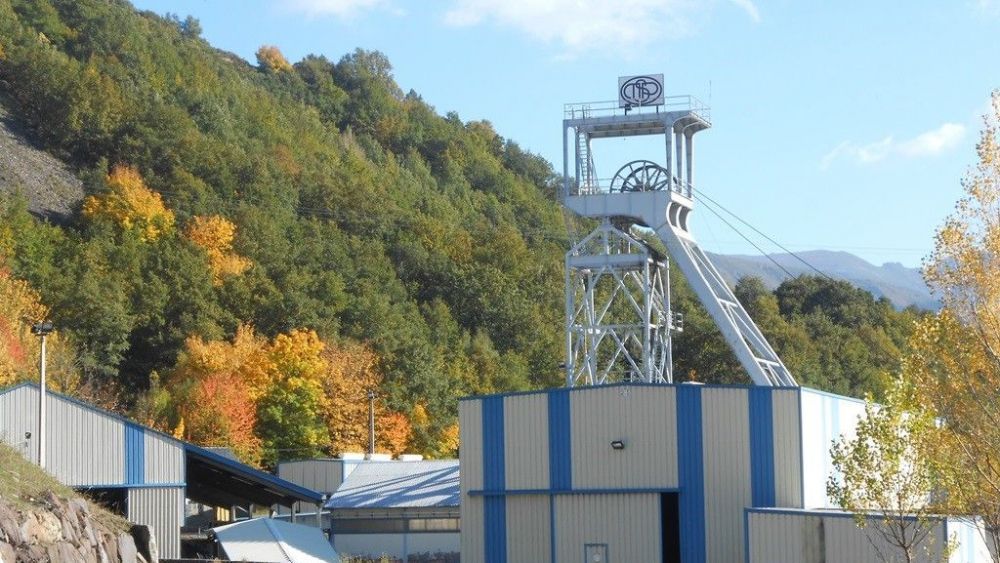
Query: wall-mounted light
(617, 444)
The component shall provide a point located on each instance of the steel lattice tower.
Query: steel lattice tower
(618, 318)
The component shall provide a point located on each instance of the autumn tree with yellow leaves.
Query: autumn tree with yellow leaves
(933, 445)
(291, 397)
(20, 307)
(130, 204)
(353, 372)
(955, 358)
(214, 391)
(270, 59)
(214, 235)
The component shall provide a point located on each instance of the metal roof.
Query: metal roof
(211, 477)
(264, 539)
(240, 480)
(399, 484)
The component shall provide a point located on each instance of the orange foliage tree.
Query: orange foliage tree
(214, 234)
(291, 397)
(215, 387)
(218, 410)
(131, 205)
(20, 307)
(353, 371)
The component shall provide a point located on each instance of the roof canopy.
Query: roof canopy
(217, 480)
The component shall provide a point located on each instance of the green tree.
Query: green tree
(887, 474)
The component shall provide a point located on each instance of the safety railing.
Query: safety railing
(587, 110)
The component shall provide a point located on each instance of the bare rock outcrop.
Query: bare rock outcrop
(51, 189)
(60, 529)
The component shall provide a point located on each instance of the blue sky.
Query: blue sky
(836, 125)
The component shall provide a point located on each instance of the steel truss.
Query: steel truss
(618, 318)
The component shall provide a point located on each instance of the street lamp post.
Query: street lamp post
(41, 329)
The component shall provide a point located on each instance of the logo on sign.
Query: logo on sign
(641, 91)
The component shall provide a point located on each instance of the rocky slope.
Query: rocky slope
(41, 520)
(50, 187)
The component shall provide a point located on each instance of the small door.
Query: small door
(595, 553)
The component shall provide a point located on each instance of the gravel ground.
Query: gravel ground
(52, 190)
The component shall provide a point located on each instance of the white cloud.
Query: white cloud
(617, 26)
(929, 143)
(750, 8)
(988, 7)
(337, 8)
(933, 142)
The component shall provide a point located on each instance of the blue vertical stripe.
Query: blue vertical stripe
(691, 476)
(496, 529)
(494, 479)
(135, 455)
(761, 447)
(560, 445)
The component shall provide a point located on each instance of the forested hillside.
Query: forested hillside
(260, 244)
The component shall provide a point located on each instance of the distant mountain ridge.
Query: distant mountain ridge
(901, 285)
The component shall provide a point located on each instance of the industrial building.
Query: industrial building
(398, 508)
(147, 474)
(830, 536)
(639, 472)
(623, 465)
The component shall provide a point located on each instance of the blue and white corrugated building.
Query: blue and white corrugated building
(641, 473)
(150, 473)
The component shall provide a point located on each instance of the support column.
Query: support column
(689, 149)
(671, 169)
(679, 144)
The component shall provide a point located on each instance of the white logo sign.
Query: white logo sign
(644, 90)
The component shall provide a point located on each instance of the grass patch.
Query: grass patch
(23, 486)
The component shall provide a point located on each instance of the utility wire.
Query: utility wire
(705, 198)
(752, 243)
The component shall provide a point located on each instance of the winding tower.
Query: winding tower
(618, 316)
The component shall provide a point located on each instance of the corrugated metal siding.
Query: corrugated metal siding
(73, 435)
(528, 528)
(470, 426)
(787, 443)
(691, 474)
(322, 475)
(825, 418)
(726, 453)
(846, 543)
(776, 538)
(628, 523)
(164, 460)
(813, 537)
(16, 418)
(163, 510)
(526, 440)
(473, 545)
(644, 417)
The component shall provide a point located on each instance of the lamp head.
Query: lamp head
(42, 328)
